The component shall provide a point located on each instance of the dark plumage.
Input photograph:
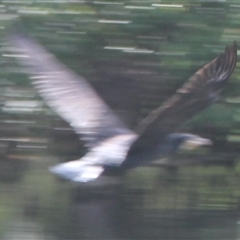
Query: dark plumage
(109, 141)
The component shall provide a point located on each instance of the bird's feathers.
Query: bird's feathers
(69, 95)
(201, 90)
(109, 141)
(110, 152)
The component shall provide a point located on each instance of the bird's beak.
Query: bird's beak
(193, 143)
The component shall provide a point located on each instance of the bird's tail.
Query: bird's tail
(77, 171)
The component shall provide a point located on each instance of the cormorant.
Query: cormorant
(110, 143)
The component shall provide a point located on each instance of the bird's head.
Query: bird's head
(184, 141)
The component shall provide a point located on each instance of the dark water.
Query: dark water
(39, 206)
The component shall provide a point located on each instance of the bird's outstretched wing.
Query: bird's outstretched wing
(67, 94)
(201, 90)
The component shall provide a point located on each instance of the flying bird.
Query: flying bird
(110, 143)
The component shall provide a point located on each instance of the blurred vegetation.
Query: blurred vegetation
(135, 54)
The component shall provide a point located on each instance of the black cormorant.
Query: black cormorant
(109, 141)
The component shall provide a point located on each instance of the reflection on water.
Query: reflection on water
(39, 206)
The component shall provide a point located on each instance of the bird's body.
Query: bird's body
(110, 143)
